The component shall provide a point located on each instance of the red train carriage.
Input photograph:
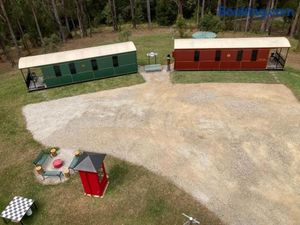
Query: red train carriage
(231, 53)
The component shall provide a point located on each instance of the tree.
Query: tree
(18, 14)
(181, 26)
(113, 12)
(30, 4)
(5, 51)
(165, 13)
(269, 25)
(133, 9)
(81, 18)
(179, 7)
(218, 7)
(212, 23)
(65, 15)
(248, 16)
(11, 31)
(56, 16)
(235, 27)
(149, 14)
(295, 21)
(202, 9)
(265, 20)
(252, 14)
(198, 11)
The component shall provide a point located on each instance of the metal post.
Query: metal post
(286, 55)
(280, 54)
(277, 59)
(23, 76)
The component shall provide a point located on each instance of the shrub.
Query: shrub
(181, 26)
(51, 43)
(211, 23)
(124, 34)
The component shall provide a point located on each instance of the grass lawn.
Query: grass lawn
(290, 77)
(161, 43)
(134, 196)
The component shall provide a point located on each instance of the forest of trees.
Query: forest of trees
(25, 24)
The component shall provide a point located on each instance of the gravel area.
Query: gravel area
(234, 147)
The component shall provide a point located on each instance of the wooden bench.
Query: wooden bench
(41, 158)
(52, 174)
(74, 162)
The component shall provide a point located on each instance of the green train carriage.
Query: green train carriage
(80, 65)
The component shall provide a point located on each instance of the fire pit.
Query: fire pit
(57, 163)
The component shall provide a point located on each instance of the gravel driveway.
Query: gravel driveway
(234, 147)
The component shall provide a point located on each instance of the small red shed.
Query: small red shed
(231, 53)
(92, 173)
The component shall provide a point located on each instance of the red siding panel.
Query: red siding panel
(228, 55)
(90, 183)
(209, 65)
(94, 183)
(247, 55)
(230, 65)
(263, 54)
(184, 55)
(184, 60)
(85, 182)
(207, 55)
(257, 65)
(185, 65)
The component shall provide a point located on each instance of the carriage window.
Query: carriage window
(72, 68)
(57, 71)
(94, 64)
(218, 55)
(196, 56)
(115, 61)
(254, 55)
(239, 56)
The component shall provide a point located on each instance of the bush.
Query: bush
(124, 34)
(181, 26)
(211, 23)
(51, 43)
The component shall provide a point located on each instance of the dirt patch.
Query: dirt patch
(293, 60)
(234, 147)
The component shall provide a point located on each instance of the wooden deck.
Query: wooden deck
(38, 85)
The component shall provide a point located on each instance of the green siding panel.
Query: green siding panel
(84, 71)
(104, 62)
(104, 73)
(79, 77)
(126, 69)
(83, 66)
(64, 68)
(48, 72)
(128, 58)
(57, 81)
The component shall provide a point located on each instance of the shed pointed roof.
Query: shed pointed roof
(90, 162)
